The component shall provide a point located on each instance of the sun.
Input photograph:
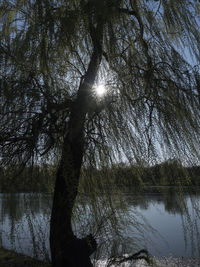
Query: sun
(100, 90)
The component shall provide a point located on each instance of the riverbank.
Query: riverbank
(12, 259)
(169, 261)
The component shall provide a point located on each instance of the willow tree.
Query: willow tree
(54, 53)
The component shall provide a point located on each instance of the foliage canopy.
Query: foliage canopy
(151, 107)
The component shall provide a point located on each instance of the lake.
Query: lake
(163, 222)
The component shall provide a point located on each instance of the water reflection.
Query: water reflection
(24, 223)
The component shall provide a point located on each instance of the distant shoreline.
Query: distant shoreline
(9, 258)
(145, 189)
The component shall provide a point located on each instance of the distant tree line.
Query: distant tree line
(37, 178)
(41, 178)
(167, 173)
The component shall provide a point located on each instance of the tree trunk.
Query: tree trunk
(66, 249)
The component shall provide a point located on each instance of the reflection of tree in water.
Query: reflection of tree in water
(174, 201)
(181, 201)
(14, 206)
(21, 216)
(11, 207)
(26, 208)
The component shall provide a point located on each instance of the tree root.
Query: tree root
(89, 243)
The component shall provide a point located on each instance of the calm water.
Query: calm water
(173, 224)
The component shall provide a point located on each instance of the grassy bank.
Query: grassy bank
(12, 259)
